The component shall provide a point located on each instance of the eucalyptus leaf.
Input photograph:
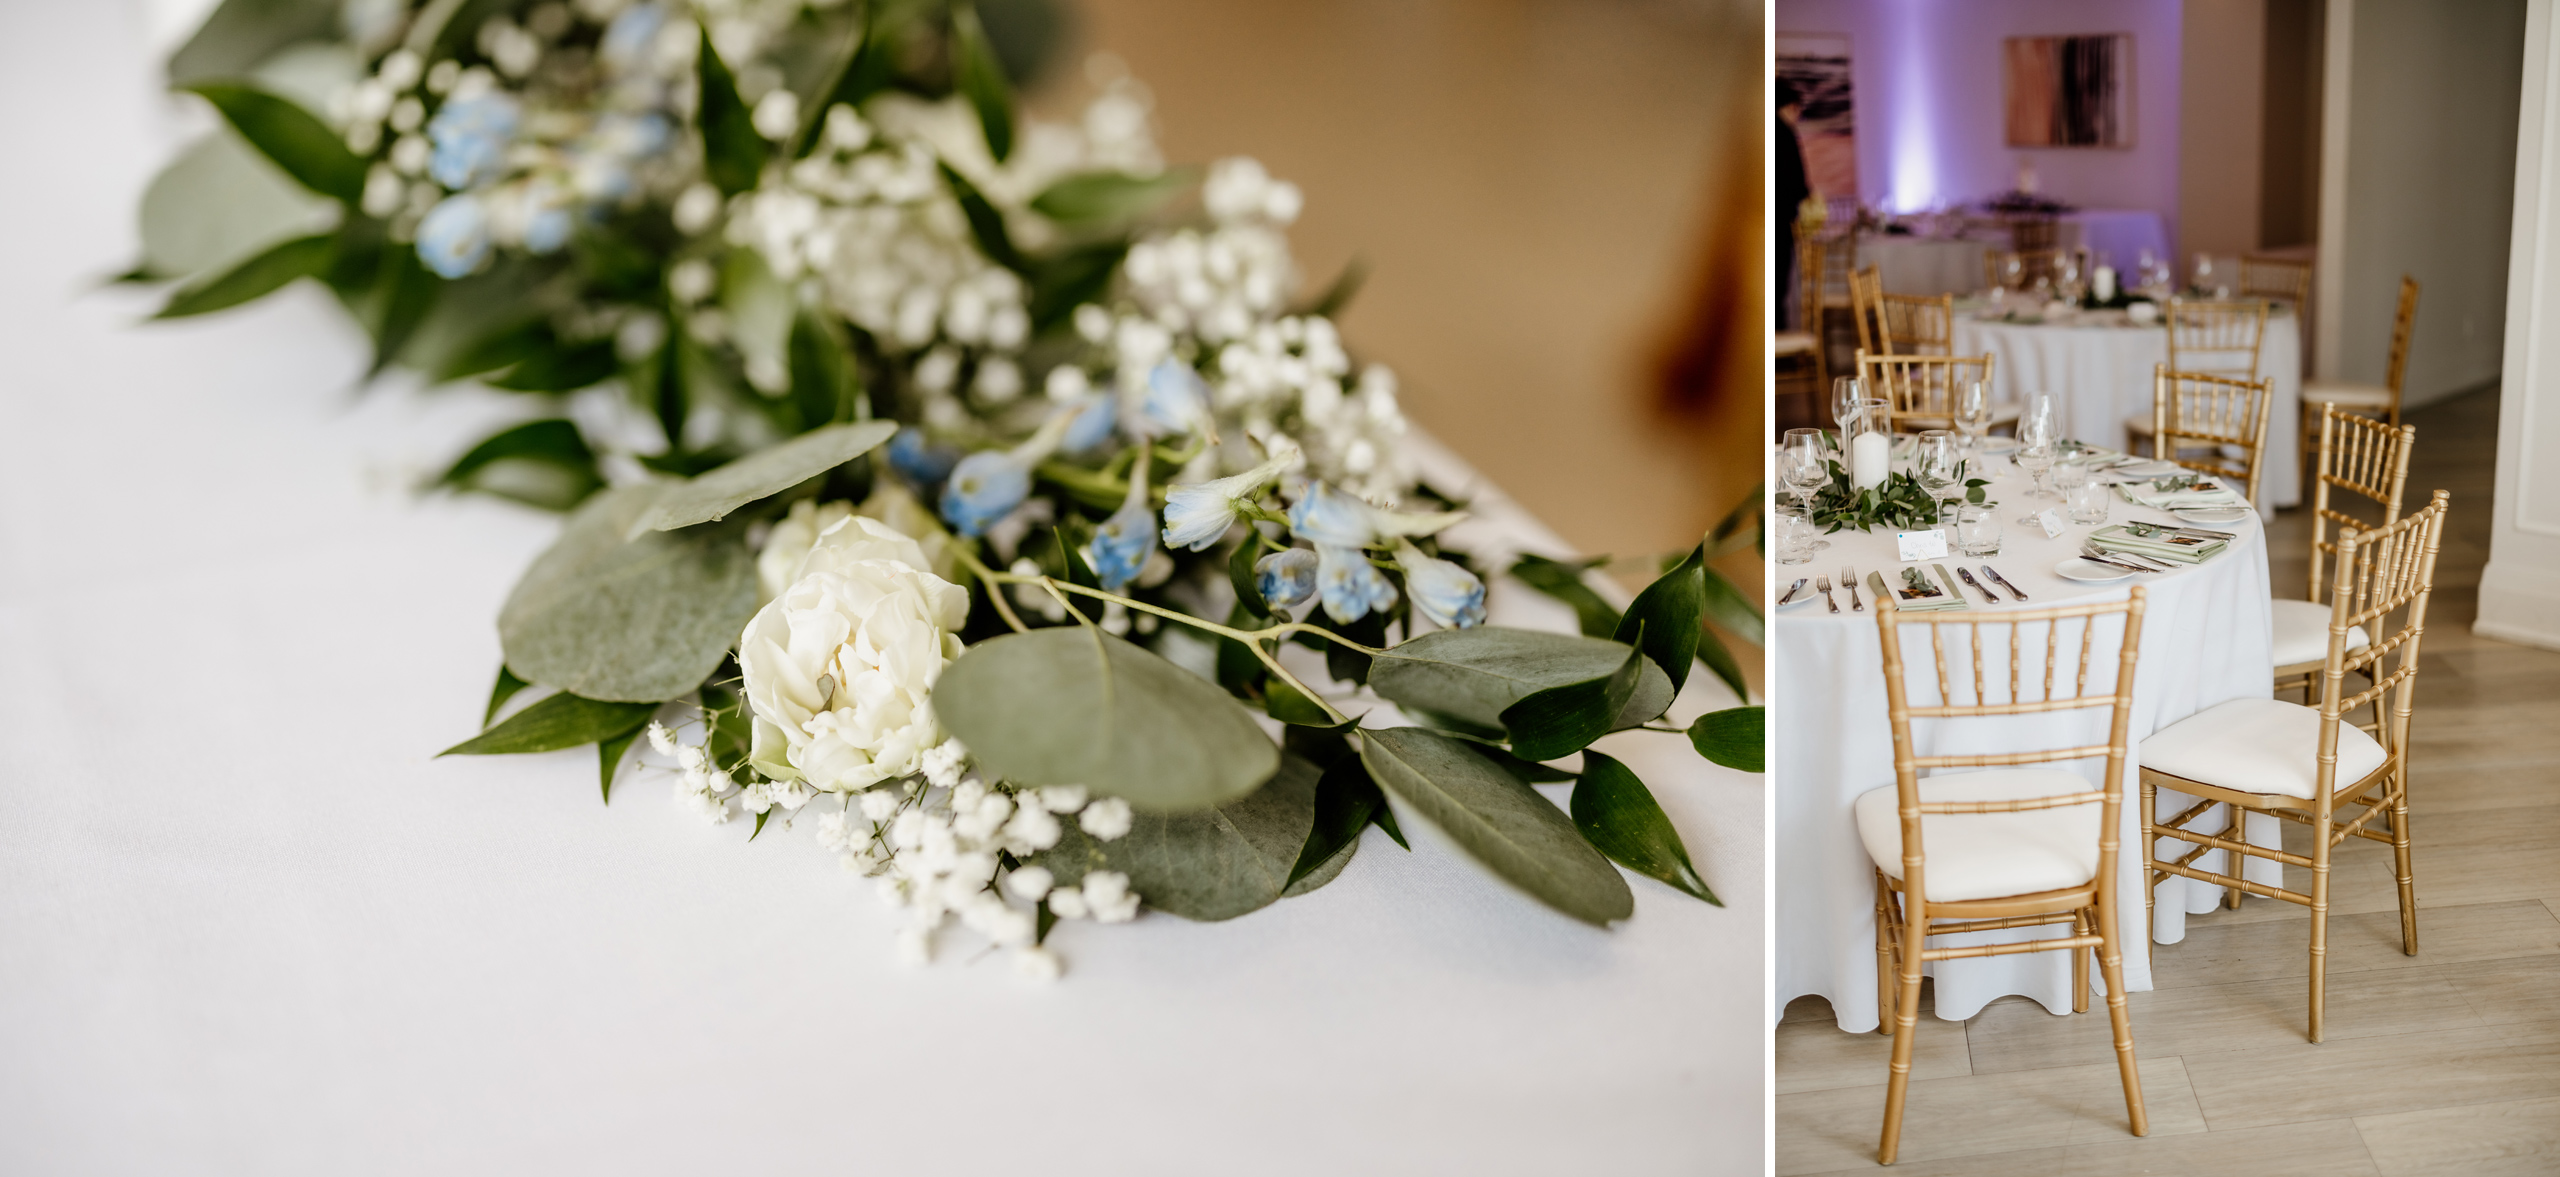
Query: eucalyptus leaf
(980, 78)
(1072, 278)
(609, 754)
(1325, 872)
(219, 203)
(1666, 616)
(1618, 815)
(553, 722)
(1599, 619)
(239, 34)
(294, 138)
(1345, 799)
(824, 383)
(985, 223)
(642, 620)
(1527, 770)
(302, 257)
(1283, 702)
(561, 368)
(552, 443)
(733, 152)
(760, 475)
(1560, 721)
(1211, 864)
(1074, 705)
(1735, 737)
(1498, 820)
(1109, 196)
(504, 689)
(1472, 675)
(409, 293)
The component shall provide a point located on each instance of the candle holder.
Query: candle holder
(1867, 439)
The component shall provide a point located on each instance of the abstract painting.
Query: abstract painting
(2070, 91)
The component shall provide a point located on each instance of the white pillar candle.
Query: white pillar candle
(1870, 455)
(2103, 282)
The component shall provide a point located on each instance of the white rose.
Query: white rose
(840, 667)
(779, 563)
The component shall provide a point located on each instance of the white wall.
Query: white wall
(2424, 187)
(1928, 78)
(2222, 66)
(2520, 589)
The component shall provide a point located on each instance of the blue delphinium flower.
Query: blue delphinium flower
(1350, 585)
(1447, 594)
(548, 230)
(1177, 400)
(1120, 546)
(920, 461)
(985, 486)
(629, 39)
(453, 239)
(1324, 515)
(470, 137)
(1197, 514)
(1091, 427)
(1285, 578)
(601, 162)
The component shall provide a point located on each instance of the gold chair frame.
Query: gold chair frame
(1903, 928)
(2195, 409)
(1919, 391)
(1822, 286)
(2377, 572)
(2394, 374)
(2359, 456)
(1900, 324)
(2268, 276)
(2212, 336)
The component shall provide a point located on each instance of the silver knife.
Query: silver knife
(1967, 577)
(1793, 590)
(1994, 574)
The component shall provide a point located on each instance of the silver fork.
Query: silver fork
(1849, 581)
(1822, 584)
(2095, 556)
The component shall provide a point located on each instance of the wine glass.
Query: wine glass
(1802, 467)
(2203, 279)
(1973, 413)
(1846, 392)
(2013, 272)
(1936, 464)
(2067, 276)
(2039, 440)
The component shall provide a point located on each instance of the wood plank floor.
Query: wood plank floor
(2447, 1062)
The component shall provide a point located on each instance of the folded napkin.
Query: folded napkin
(2161, 544)
(1909, 602)
(2205, 493)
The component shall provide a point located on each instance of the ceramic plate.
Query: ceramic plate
(2213, 516)
(1807, 597)
(2139, 468)
(2076, 568)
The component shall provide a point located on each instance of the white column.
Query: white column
(2329, 269)
(2520, 589)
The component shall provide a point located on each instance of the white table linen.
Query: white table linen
(248, 923)
(2098, 367)
(1924, 265)
(2205, 640)
(2114, 236)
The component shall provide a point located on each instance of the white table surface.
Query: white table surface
(1924, 265)
(248, 924)
(2205, 640)
(2099, 368)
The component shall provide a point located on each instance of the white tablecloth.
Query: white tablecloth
(2204, 641)
(2115, 236)
(248, 923)
(2100, 374)
(1924, 265)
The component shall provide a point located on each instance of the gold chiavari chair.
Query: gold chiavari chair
(2218, 338)
(2304, 764)
(1920, 391)
(2267, 276)
(1901, 324)
(2380, 401)
(2013, 847)
(1822, 294)
(2195, 416)
(1866, 299)
(2360, 458)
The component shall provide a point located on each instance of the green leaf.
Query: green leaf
(552, 444)
(985, 223)
(1527, 770)
(219, 203)
(1342, 662)
(1240, 574)
(507, 686)
(1071, 279)
(1562, 720)
(760, 475)
(1345, 797)
(732, 152)
(863, 69)
(1346, 285)
(980, 78)
(409, 292)
(1499, 821)
(1564, 582)
(1073, 705)
(609, 753)
(1384, 818)
(760, 820)
(561, 368)
(239, 34)
(642, 620)
(302, 257)
(824, 384)
(1617, 814)
(1211, 864)
(1725, 605)
(504, 347)
(1752, 510)
(1285, 704)
(1109, 196)
(670, 392)
(1238, 670)
(294, 138)
(554, 722)
(1666, 615)
(1734, 737)
(1473, 675)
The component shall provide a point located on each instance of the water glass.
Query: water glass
(1804, 465)
(2086, 503)
(1936, 461)
(1846, 394)
(1978, 530)
(2071, 470)
(1795, 534)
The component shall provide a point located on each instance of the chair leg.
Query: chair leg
(2150, 864)
(1906, 1018)
(2399, 801)
(2320, 846)
(2119, 1019)
(2080, 925)
(2233, 862)
(1885, 934)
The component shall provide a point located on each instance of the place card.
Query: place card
(1922, 545)
(2051, 520)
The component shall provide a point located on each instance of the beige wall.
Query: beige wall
(1532, 182)
(2222, 68)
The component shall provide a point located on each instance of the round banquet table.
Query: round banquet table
(249, 923)
(2098, 368)
(2205, 640)
(1924, 265)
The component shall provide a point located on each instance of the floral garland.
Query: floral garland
(942, 475)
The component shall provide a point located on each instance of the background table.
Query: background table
(2114, 236)
(2205, 640)
(1924, 265)
(249, 924)
(2099, 369)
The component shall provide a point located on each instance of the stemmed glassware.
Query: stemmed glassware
(1973, 414)
(2013, 272)
(2067, 277)
(1801, 467)
(2039, 439)
(1937, 464)
(1846, 392)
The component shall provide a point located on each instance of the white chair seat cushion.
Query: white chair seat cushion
(1989, 855)
(2258, 746)
(2316, 391)
(2302, 633)
(2138, 424)
(1787, 343)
